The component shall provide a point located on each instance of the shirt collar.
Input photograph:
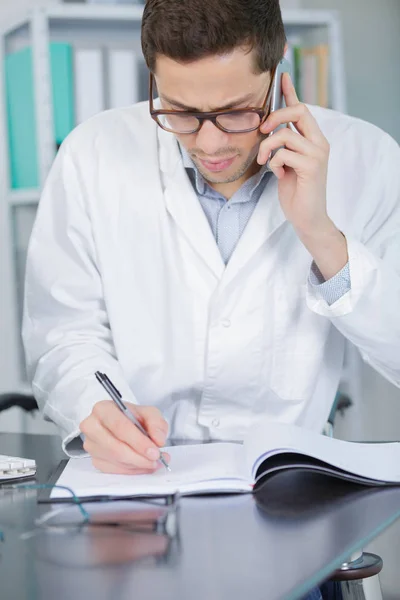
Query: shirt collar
(201, 185)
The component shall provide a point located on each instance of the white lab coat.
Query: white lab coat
(124, 276)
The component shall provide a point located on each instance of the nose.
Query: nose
(210, 139)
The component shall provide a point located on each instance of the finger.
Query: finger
(287, 158)
(101, 443)
(128, 549)
(116, 469)
(124, 430)
(304, 121)
(289, 91)
(286, 137)
(154, 423)
(166, 457)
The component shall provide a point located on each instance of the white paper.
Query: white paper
(194, 468)
(374, 461)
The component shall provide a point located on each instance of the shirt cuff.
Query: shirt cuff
(72, 445)
(333, 289)
(364, 269)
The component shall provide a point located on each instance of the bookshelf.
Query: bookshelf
(90, 24)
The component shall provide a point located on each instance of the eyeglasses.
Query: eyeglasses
(113, 531)
(236, 120)
(159, 517)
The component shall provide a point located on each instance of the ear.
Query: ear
(286, 48)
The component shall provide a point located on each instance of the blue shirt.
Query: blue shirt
(228, 220)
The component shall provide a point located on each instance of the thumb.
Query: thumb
(154, 423)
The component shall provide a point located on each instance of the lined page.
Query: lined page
(194, 468)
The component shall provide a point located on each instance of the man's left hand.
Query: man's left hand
(301, 168)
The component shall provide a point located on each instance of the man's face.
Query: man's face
(210, 84)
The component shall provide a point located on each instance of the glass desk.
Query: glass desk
(278, 544)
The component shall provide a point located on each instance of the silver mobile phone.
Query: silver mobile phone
(277, 100)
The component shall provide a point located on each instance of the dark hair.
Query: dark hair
(188, 30)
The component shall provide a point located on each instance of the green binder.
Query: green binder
(61, 61)
(297, 70)
(21, 109)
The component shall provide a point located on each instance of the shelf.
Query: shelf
(12, 25)
(309, 18)
(77, 13)
(93, 12)
(24, 197)
(82, 13)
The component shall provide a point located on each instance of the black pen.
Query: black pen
(117, 399)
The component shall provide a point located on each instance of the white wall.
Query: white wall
(372, 49)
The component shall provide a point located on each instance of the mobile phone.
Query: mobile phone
(277, 100)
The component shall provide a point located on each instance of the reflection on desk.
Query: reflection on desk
(277, 544)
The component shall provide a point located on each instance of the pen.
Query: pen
(117, 399)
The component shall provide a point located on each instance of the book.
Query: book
(225, 467)
(290, 55)
(297, 70)
(123, 77)
(323, 75)
(15, 468)
(311, 74)
(89, 83)
(21, 119)
(21, 112)
(61, 60)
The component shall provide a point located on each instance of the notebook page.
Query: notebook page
(194, 468)
(374, 461)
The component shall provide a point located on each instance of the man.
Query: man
(210, 290)
(200, 282)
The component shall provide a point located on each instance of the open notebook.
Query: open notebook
(230, 467)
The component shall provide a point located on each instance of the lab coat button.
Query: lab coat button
(226, 323)
(215, 423)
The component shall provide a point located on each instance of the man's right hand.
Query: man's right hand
(117, 446)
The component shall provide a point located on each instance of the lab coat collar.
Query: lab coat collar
(185, 208)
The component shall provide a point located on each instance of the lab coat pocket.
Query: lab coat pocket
(298, 344)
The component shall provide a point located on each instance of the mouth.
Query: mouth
(216, 166)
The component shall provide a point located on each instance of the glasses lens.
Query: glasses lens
(179, 123)
(237, 122)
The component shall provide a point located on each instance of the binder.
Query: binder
(123, 77)
(61, 57)
(21, 115)
(89, 83)
(323, 75)
(143, 79)
(21, 120)
(312, 71)
(293, 46)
